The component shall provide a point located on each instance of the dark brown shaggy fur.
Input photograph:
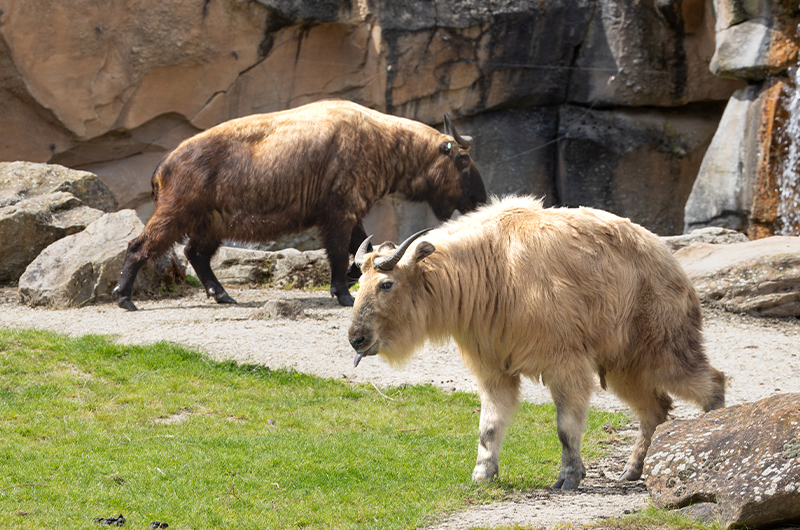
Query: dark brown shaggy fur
(322, 165)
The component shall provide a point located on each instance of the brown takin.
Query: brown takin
(558, 295)
(323, 165)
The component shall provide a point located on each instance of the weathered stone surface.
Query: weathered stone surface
(647, 53)
(291, 268)
(755, 39)
(288, 268)
(30, 225)
(715, 235)
(24, 180)
(516, 150)
(737, 186)
(745, 459)
(639, 164)
(280, 309)
(241, 266)
(84, 267)
(40, 204)
(113, 89)
(759, 278)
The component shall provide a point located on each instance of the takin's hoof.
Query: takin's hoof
(484, 473)
(569, 483)
(346, 299)
(224, 298)
(631, 474)
(125, 303)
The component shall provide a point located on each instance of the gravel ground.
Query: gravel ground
(759, 357)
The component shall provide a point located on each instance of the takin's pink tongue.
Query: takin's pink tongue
(358, 358)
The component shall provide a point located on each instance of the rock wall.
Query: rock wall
(604, 103)
(749, 178)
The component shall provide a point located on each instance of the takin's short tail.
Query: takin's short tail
(155, 182)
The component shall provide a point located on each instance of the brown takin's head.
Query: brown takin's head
(453, 182)
(386, 316)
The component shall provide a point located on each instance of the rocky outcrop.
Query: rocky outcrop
(714, 235)
(84, 267)
(114, 89)
(755, 39)
(40, 204)
(744, 461)
(287, 268)
(759, 278)
(749, 176)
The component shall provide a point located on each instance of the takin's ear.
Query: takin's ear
(386, 246)
(424, 249)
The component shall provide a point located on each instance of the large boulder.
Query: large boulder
(40, 204)
(759, 278)
(744, 461)
(84, 267)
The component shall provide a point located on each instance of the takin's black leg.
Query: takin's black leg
(356, 238)
(155, 239)
(135, 258)
(337, 241)
(199, 254)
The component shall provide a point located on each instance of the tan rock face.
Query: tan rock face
(103, 66)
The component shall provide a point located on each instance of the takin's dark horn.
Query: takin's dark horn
(463, 141)
(363, 250)
(387, 263)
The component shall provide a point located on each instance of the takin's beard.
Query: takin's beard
(405, 338)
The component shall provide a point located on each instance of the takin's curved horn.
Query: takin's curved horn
(363, 250)
(387, 263)
(463, 141)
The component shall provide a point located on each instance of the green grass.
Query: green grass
(91, 429)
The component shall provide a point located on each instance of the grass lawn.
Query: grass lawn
(92, 429)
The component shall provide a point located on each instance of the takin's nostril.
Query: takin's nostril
(357, 342)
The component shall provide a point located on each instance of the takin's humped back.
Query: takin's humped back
(559, 295)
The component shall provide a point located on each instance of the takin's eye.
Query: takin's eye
(386, 286)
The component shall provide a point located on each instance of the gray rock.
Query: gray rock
(24, 180)
(291, 268)
(639, 164)
(241, 266)
(288, 268)
(722, 194)
(759, 278)
(713, 234)
(28, 226)
(740, 458)
(84, 267)
(280, 309)
(754, 39)
(516, 149)
(40, 204)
